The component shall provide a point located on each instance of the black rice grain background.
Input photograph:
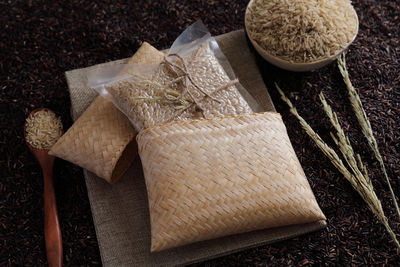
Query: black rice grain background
(40, 40)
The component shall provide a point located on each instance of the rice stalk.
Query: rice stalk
(364, 123)
(169, 95)
(357, 175)
(365, 187)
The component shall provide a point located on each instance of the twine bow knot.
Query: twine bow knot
(185, 99)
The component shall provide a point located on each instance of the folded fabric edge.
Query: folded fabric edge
(301, 230)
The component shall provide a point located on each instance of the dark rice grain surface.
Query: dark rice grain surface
(40, 40)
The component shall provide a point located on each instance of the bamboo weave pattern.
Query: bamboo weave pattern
(97, 139)
(101, 139)
(210, 178)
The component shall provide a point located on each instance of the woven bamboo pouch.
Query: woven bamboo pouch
(102, 139)
(210, 178)
(97, 140)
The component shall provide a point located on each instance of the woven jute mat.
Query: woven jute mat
(120, 211)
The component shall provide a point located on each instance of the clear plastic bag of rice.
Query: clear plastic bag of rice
(194, 81)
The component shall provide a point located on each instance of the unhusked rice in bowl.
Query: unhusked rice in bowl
(301, 31)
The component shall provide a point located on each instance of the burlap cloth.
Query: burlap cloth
(120, 211)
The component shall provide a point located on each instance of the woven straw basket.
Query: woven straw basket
(102, 139)
(210, 178)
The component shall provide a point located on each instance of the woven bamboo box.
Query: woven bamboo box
(211, 178)
(102, 140)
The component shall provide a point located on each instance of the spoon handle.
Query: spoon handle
(52, 230)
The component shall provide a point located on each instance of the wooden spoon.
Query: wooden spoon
(52, 232)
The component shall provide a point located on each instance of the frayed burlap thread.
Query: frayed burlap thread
(216, 177)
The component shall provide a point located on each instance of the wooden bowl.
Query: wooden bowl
(293, 66)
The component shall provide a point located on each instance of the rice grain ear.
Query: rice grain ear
(365, 124)
(357, 175)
